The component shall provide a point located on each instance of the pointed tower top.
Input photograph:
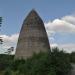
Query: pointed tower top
(33, 13)
(32, 17)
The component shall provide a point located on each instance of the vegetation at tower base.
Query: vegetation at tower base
(56, 63)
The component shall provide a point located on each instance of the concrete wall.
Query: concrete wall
(32, 38)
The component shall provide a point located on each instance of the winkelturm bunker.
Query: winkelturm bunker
(33, 37)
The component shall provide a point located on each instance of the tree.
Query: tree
(8, 72)
(10, 50)
(72, 57)
(39, 64)
(1, 40)
(0, 21)
(45, 64)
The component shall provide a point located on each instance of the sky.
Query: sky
(58, 17)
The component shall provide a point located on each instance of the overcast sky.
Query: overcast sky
(58, 17)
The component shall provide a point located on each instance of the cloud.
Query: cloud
(11, 38)
(64, 25)
(9, 41)
(69, 47)
(70, 19)
(53, 45)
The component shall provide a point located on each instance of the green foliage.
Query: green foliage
(8, 72)
(16, 64)
(0, 20)
(5, 61)
(61, 61)
(55, 63)
(72, 57)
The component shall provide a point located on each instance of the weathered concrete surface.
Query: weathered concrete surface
(73, 70)
(33, 37)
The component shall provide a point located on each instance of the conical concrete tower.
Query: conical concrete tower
(33, 37)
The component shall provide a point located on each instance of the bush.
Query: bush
(54, 63)
(8, 72)
(5, 61)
